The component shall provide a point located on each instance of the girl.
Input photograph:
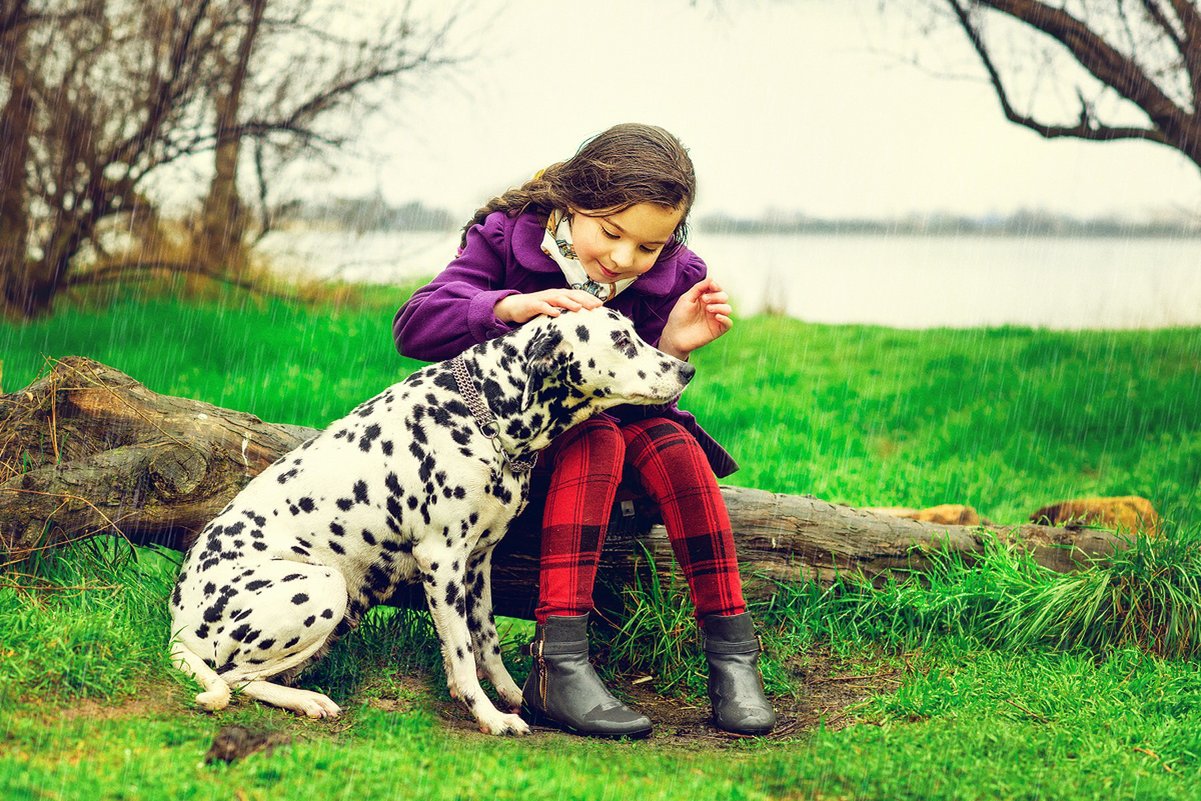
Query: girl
(607, 226)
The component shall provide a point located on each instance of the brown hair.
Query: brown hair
(626, 165)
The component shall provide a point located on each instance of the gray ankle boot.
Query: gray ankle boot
(564, 691)
(735, 687)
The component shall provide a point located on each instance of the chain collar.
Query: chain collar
(484, 417)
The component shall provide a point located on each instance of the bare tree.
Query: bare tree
(1137, 73)
(285, 113)
(101, 94)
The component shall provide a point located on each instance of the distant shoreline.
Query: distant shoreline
(850, 228)
(375, 215)
(1016, 226)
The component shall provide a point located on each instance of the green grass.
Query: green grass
(1004, 420)
(1010, 682)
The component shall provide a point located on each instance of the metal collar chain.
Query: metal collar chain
(484, 417)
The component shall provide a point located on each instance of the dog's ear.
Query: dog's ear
(539, 362)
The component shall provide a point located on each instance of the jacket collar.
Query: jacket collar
(527, 248)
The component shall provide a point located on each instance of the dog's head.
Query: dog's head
(597, 358)
(555, 372)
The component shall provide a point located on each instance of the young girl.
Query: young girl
(607, 227)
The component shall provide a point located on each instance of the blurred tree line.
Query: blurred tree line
(1026, 222)
(373, 213)
(100, 98)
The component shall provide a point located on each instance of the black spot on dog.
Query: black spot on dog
(369, 436)
(243, 633)
(300, 598)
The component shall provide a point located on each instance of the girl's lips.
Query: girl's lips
(608, 273)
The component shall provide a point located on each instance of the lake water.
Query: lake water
(902, 281)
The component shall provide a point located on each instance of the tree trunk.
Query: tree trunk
(218, 245)
(16, 126)
(87, 450)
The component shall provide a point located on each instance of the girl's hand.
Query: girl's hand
(551, 302)
(701, 315)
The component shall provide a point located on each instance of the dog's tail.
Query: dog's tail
(216, 692)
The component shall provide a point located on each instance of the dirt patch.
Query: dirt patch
(150, 702)
(828, 697)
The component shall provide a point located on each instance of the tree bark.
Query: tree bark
(16, 127)
(218, 245)
(87, 451)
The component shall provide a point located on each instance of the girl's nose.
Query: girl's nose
(622, 256)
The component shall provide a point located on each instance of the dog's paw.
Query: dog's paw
(505, 724)
(316, 706)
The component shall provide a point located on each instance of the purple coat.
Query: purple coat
(503, 256)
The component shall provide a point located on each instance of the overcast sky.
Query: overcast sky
(807, 105)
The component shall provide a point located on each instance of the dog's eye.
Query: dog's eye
(624, 343)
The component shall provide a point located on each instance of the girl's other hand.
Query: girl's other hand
(701, 315)
(551, 302)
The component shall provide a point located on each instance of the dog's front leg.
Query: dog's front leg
(443, 576)
(484, 638)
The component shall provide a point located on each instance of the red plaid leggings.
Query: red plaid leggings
(587, 463)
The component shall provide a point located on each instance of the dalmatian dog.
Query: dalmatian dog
(417, 484)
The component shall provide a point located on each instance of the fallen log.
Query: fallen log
(86, 450)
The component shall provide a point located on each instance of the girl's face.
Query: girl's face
(624, 244)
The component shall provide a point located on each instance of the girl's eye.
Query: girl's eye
(610, 234)
(649, 249)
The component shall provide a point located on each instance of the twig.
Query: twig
(1032, 714)
(54, 416)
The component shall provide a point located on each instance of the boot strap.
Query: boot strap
(745, 647)
(540, 648)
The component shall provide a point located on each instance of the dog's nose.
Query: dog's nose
(687, 371)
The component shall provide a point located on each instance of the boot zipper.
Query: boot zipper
(541, 673)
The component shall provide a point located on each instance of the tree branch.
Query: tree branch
(1087, 127)
(1105, 63)
(1190, 20)
(165, 91)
